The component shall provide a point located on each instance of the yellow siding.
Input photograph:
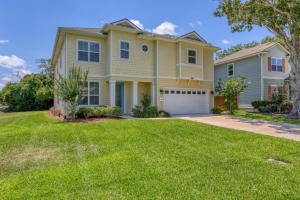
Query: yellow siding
(139, 62)
(143, 89)
(128, 96)
(208, 65)
(184, 53)
(95, 69)
(104, 92)
(191, 72)
(167, 52)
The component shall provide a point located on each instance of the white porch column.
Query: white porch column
(134, 93)
(112, 92)
(153, 96)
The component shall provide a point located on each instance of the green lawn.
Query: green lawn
(42, 158)
(265, 116)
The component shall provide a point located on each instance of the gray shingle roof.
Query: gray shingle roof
(84, 30)
(246, 53)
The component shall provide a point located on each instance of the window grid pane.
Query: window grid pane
(192, 56)
(88, 51)
(124, 49)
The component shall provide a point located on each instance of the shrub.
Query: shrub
(276, 105)
(216, 110)
(99, 111)
(270, 108)
(85, 112)
(163, 113)
(138, 112)
(150, 112)
(286, 107)
(146, 110)
(258, 104)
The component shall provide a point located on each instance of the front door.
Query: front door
(120, 95)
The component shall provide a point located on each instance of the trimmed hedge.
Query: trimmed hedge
(99, 111)
(269, 106)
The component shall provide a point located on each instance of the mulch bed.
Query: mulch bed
(94, 119)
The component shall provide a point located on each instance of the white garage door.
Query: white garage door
(186, 101)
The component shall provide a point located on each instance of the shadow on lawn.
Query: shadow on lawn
(283, 128)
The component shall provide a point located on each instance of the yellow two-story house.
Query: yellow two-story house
(125, 63)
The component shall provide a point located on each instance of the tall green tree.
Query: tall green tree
(71, 88)
(282, 17)
(31, 93)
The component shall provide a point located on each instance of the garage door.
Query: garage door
(186, 101)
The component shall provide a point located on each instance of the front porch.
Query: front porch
(128, 94)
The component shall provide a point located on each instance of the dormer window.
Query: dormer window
(191, 56)
(124, 49)
(88, 51)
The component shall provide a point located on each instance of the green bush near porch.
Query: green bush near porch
(148, 111)
(99, 111)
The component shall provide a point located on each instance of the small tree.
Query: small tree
(231, 89)
(70, 89)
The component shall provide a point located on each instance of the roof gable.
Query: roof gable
(126, 23)
(246, 53)
(193, 36)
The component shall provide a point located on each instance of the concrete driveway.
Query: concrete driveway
(283, 130)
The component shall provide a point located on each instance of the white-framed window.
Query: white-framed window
(124, 49)
(277, 64)
(230, 70)
(88, 51)
(192, 56)
(91, 94)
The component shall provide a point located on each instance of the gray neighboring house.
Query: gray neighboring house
(265, 67)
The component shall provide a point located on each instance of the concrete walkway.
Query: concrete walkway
(283, 130)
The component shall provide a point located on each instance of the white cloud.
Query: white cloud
(12, 62)
(166, 28)
(195, 24)
(18, 68)
(4, 41)
(226, 41)
(7, 77)
(137, 23)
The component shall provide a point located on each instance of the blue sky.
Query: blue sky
(28, 27)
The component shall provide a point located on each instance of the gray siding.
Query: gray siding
(267, 82)
(249, 68)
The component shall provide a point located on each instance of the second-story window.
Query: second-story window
(276, 65)
(88, 51)
(191, 56)
(230, 70)
(124, 49)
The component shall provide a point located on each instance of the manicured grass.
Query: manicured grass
(265, 116)
(42, 158)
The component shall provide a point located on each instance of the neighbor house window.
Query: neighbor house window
(276, 65)
(230, 70)
(91, 93)
(88, 51)
(124, 49)
(191, 56)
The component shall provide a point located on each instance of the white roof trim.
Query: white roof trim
(195, 34)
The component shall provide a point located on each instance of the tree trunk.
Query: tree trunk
(295, 80)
